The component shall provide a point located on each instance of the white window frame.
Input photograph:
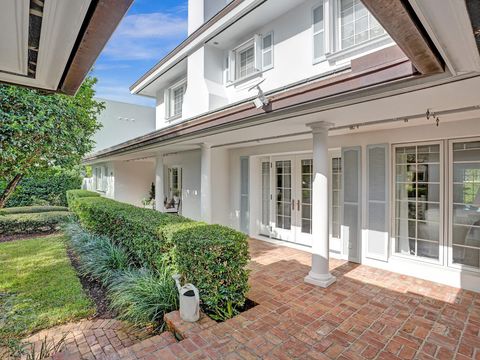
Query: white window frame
(450, 263)
(325, 30)
(233, 58)
(168, 99)
(442, 186)
(100, 176)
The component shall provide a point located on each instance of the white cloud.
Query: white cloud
(146, 36)
(121, 93)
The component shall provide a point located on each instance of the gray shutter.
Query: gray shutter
(351, 221)
(244, 195)
(377, 202)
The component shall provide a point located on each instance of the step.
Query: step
(148, 346)
(183, 329)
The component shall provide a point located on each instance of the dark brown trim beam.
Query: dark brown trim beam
(375, 69)
(101, 21)
(473, 7)
(401, 23)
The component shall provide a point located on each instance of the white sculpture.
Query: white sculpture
(189, 300)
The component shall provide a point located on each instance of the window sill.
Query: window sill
(357, 49)
(173, 118)
(246, 78)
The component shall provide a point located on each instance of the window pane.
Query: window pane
(357, 25)
(318, 45)
(466, 256)
(318, 24)
(417, 209)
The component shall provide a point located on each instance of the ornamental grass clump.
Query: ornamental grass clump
(143, 295)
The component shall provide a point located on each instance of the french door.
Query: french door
(289, 179)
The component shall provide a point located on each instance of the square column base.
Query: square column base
(320, 280)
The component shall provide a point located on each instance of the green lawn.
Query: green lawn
(38, 287)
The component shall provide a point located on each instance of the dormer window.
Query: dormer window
(174, 100)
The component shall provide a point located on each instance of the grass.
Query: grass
(38, 287)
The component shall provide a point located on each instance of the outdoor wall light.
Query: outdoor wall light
(260, 101)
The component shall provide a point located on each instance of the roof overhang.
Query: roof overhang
(382, 68)
(52, 45)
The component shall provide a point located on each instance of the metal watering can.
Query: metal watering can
(189, 300)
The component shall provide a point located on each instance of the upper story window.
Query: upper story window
(245, 59)
(250, 58)
(357, 25)
(342, 24)
(174, 100)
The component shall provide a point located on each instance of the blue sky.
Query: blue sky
(149, 31)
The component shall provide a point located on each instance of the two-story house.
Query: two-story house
(346, 128)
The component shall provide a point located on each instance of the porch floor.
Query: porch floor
(367, 314)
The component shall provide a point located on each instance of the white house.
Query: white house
(313, 123)
(124, 181)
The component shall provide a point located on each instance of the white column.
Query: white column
(319, 274)
(159, 183)
(206, 184)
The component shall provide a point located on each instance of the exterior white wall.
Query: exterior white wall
(413, 267)
(200, 11)
(207, 85)
(189, 161)
(133, 180)
(122, 122)
(220, 186)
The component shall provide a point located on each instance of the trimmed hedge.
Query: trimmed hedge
(32, 223)
(47, 188)
(31, 209)
(72, 195)
(212, 257)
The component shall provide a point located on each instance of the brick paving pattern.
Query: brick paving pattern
(90, 339)
(367, 314)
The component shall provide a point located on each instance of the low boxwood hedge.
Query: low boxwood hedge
(31, 209)
(32, 223)
(72, 195)
(212, 257)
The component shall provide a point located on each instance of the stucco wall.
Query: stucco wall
(133, 180)
(122, 122)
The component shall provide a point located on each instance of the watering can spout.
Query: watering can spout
(189, 300)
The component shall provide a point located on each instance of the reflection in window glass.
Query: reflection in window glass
(336, 191)
(466, 204)
(417, 200)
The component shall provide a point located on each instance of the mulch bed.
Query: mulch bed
(94, 290)
(6, 238)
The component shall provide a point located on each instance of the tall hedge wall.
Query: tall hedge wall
(212, 257)
(48, 188)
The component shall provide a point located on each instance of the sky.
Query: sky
(148, 32)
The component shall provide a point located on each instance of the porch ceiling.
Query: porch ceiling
(387, 112)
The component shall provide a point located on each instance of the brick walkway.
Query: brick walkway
(367, 314)
(90, 339)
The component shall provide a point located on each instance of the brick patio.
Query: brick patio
(367, 314)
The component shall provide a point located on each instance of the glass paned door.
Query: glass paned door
(465, 204)
(283, 201)
(292, 198)
(418, 205)
(303, 200)
(266, 198)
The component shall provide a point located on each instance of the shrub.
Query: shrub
(72, 195)
(32, 223)
(136, 229)
(31, 209)
(48, 188)
(143, 296)
(214, 258)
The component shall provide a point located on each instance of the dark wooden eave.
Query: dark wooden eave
(473, 7)
(399, 20)
(379, 68)
(101, 21)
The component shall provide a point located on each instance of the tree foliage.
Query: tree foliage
(40, 130)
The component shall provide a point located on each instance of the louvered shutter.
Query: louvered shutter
(351, 222)
(377, 202)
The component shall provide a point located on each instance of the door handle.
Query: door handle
(293, 204)
(298, 205)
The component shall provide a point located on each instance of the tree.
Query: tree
(40, 130)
